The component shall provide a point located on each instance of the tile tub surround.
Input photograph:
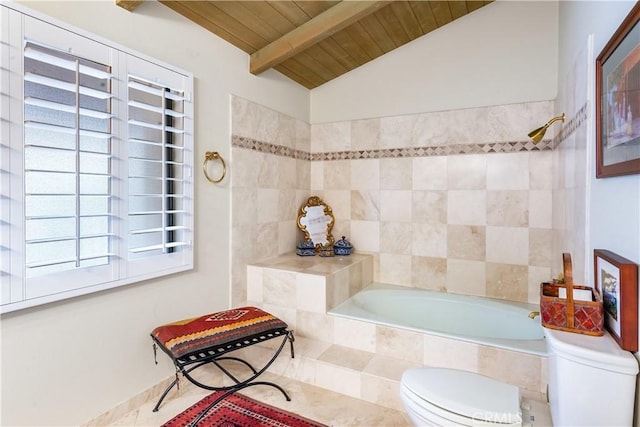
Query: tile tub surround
(300, 290)
(453, 200)
(359, 358)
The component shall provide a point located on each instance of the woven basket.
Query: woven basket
(567, 314)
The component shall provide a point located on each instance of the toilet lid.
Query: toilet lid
(465, 393)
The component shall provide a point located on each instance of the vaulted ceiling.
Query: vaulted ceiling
(313, 42)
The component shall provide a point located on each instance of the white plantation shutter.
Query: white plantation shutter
(97, 153)
(67, 156)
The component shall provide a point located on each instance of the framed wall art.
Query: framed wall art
(616, 278)
(618, 101)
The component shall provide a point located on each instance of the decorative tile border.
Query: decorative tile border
(268, 148)
(572, 125)
(443, 150)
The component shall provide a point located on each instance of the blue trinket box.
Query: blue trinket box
(306, 248)
(342, 247)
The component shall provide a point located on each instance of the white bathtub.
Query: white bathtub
(484, 321)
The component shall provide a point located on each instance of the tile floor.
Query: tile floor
(313, 402)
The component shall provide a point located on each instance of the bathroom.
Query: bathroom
(411, 205)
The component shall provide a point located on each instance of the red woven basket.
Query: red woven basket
(568, 314)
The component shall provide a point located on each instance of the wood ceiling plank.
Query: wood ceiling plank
(352, 48)
(407, 18)
(270, 15)
(243, 14)
(377, 32)
(424, 14)
(306, 73)
(392, 26)
(290, 11)
(330, 61)
(283, 69)
(129, 5)
(364, 40)
(441, 12)
(200, 17)
(315, 8)
(331, 46)
(322, 26)
(458, 8)
(315, 64)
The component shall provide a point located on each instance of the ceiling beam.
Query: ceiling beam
(130, 5)
(311, 32)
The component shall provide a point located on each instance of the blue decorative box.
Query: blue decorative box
(306, 248)
(342, 247)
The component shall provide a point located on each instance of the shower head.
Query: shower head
(537, 134)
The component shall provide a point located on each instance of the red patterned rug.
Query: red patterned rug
(239, 411)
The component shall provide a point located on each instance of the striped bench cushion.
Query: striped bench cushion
(214, 330)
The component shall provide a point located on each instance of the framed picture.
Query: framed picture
(618, 101)
(616, 278)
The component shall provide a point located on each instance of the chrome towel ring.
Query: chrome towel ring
(213, 155)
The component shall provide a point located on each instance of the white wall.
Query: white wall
(614, 202)
(67, 362)
(503, 53)
(612, 216)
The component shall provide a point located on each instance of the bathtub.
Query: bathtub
(484, 321)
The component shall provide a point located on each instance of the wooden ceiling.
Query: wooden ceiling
(313, 42)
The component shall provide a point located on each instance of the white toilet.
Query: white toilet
(591, 383)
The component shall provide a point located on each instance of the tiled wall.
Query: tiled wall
(269, 183)
(457, 200)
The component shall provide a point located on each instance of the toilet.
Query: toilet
(581, 370)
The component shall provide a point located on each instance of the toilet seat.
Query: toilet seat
(450, 396)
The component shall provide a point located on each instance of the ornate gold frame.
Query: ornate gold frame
(312, 204)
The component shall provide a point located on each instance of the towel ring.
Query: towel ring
(213, 155)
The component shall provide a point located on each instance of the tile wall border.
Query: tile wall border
(442, 150)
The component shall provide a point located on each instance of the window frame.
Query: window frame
(17, 25)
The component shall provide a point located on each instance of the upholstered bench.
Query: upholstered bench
(192, 343)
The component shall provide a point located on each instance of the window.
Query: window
(97, 154)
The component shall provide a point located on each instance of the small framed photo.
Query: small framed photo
(618, 101)
(616, 279)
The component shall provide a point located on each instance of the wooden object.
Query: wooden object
(568, 314)
(129, 5)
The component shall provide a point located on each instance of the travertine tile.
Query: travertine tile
(540, 208)
(396, 237)
(354, 333)
(400, 344)
(466, 277)
(450, 353)
(429, 273)
(466, 242)
(311, 292)
(365, 134)
(508, 245)
(395, 268)
(507, 281)
(349, 358)
(466, 207)
(508, 208)
(429, 206)
(508, 171)
(365, 205)
(429, 240)
(330, 137)
(395, 174)
(467, 172)
(396, 205)
(520, 369)
(365, 174)
(430, 173)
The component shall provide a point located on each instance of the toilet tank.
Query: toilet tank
(592, 381)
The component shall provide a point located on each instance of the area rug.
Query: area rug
(238, 410)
